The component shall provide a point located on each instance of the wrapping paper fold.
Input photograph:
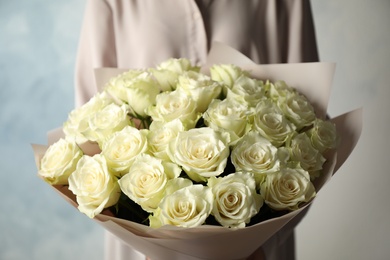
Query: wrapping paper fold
(211, 242)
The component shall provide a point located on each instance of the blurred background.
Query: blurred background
(38, 41)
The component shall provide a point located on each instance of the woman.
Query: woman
(143, 33)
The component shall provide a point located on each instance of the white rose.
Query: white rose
(126, 78)
(247, 90)
(230, 116)
(77, 122)
(226, 73)
(167, 72)
(187, 207)
(200, 87)
(302, 151)
(279, 89)
(161, 134)
(59, 162)
(287, 189)
(176, 184)
(235, 199)
(122, 147)
(146, 181)
(201, 152)
(256, 154)
(323, 135)
(271, 123)
(103, 123)
(175, 105)
(139, 91)
(94, 186)
(117, 86)
(297, 109)
(166, 79)
(178, 66)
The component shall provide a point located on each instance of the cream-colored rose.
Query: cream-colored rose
(77, 122)
(279, 89)
(178, 66)
(176, 184)
(302, 151)
(187, 207)
(287, 189)
(247, 90)
(297, 109)
(126, 78)
(175, 105)
(103, 123)
(235, 199)
(161, 134)
(166, 79)
(123, 147)
(146, 181)
(200, 87)
(59, 161)
(201, 152)
(271, 123)
(94, 186)
(323, 135)
(137, 89)
(167, 73)
(256, 154)
(230, 116)
(226, 73)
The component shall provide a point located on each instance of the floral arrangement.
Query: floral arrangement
(174, 146)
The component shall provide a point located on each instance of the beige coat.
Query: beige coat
(143, 33)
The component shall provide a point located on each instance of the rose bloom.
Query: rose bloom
(200, 87)
(235, 199)
(146, 181)
(105, 122)
(168, 72)
(166, 79)
(323, 135)
(256, 154)
(187, 207)
(279, 89)
(201, 152)
(116, 86)
(94, 186)
(77, 122)
(176, 184)
(136, 88)
(230, 116)
(247, 90)
(160, 135)
(122, 147)
(59, 161)
(271, 123)
(297, 109)
(287, 189)
(175, 105)
(302, 151)
(178, 66)
(226, 73)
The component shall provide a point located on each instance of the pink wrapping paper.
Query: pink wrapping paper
(213, 242)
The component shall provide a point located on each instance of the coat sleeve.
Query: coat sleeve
(96, 48)
(284, 32)
(301, 36)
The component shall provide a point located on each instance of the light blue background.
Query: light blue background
(38, 41)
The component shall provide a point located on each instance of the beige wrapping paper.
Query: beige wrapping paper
(212, 242)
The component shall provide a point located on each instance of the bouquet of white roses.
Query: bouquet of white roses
(165, 152)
